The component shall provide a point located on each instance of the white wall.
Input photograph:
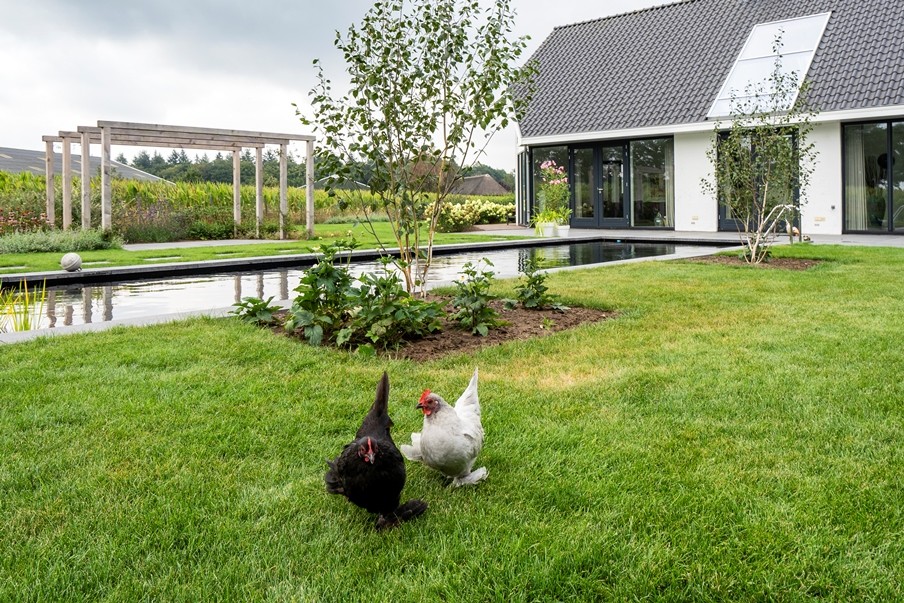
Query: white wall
(694, 210)
(821, 212)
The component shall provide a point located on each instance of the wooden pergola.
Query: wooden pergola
(108, 133)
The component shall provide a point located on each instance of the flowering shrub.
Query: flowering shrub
(23, 220)
(456, 217)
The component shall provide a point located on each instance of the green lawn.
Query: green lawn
(735, 435)
(40, 262)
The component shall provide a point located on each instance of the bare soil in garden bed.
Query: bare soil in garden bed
(519, 324)
(780, 263)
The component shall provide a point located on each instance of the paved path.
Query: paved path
(625, 234)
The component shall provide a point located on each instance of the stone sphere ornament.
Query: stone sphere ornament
(71, 262)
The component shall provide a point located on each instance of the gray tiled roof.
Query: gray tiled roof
(26, 160)
(665, 65)
(482, 184)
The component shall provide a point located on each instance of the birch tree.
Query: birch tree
(430, 82)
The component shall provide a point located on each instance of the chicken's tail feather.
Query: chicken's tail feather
(411, 509)
(333, 481)
(470, 397)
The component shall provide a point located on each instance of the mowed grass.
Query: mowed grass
(735, 435)
(12, 263)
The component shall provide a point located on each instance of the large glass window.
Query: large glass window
(897, 176)
(555, 157)
(873, 177)
(652, 182)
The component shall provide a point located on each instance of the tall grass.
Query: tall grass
(21, 309)
(164, 211)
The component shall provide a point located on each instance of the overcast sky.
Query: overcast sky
(211, 63)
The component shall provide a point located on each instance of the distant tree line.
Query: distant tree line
(179, 167)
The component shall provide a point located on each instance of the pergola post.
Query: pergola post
(236, 190)
(309, 189)
(107, 133)
(106, 213)
(283, 189)
(86, 180)
(67, 183)
(259, 193)
(48, 182)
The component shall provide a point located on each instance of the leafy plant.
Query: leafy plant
(550, 216)
(256, 311)
(472, 299)
(429, 79)
(322, 305)
(384, 314)
(533, 292)
(21, 310)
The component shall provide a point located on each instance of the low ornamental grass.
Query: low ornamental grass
(57, 241)
(734, 435)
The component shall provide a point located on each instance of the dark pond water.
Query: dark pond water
(136, 299)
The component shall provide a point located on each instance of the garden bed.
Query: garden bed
(519, 324)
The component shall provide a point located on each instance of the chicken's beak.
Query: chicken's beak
(370, 457)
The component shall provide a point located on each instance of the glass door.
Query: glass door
(599, 198)
(585, 208)
(611, 187)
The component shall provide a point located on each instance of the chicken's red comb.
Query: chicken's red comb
(424, 395)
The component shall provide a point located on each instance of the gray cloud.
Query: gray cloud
(235, 63)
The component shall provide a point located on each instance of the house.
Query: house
(25, 160)
(627, 106)
(480, 185)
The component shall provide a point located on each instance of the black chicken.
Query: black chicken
(370, 471)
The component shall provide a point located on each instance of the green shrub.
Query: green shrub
(321, 307)
(472, 299)
(256, 311)
(383, 314)
(60, 241)
(533, 293)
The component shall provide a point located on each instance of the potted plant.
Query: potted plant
(562, 222)
(544, 222)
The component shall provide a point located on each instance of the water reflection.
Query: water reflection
(134, 299)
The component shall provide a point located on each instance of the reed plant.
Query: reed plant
(21, 309)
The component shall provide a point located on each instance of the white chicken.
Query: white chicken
(451, 437)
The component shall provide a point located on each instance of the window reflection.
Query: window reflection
(652, 182)
(541, 155)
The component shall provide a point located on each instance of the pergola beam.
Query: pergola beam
(244, 134)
